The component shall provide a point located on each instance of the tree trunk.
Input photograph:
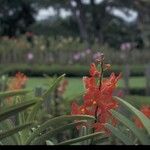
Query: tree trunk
(98, 16)
(79, 15)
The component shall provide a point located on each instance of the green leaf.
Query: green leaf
(14, 139)
(48, 142)
(33, 113)
(80, 139)
(41, 139)
(53, 86)
(57, 121)
(119, 134)
(9, 111)
(83, 132)
(44, 96)
(139, 134)
(145, 120)
(13, 93)
(14, 130)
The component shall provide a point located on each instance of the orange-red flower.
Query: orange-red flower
(103, 96)
(146, 111)
(78, 110)
(93, 71)
(107, 66)
(62, 87)
(98, 98)
(17, 82)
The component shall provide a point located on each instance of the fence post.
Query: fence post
(48, 104)
(147, 76)
(126, 79)
(38, 91)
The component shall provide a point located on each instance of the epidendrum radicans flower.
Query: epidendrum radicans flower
(17, 82)
(146, 111)
(62, 87)
(98, 97)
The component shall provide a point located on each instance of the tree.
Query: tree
(15, 16)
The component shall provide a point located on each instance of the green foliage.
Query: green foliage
(128, 123)
(27, 123)
(27, 132)
(145, 120)
(49, 50)
(70, 70)
(21, 17)
(127, 131)
(119, 135)
(6, 112)
(14, 130)
(53, 86)
(82, 138)
(13, 93)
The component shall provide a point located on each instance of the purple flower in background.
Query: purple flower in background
(76, 56)
(88, 51)
(97, 55)
(125, 46)
(30, 56)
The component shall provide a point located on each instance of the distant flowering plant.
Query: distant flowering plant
(62, 87)
(17, 82)
(30, 56)
(76, 56)
(96, 55)
(146, 111)
(98, 97)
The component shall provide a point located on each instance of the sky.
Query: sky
(46, 13)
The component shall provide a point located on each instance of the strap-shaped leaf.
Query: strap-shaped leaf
(82, 138)
(9, 111)
(44, 96)
(83, 132)
(145, 120)
(119, 134)
(7, 125)
(139, 134)
(53, 86)
(49, 134)
(14, 130)
(48, 142)
(34, 111)
(57, 121)
(13, 93)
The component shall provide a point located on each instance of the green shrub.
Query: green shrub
(26, 123)
(70, 70)
(48, 50)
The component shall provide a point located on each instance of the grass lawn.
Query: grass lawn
(76, 86)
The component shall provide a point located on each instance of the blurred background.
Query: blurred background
(52, 37)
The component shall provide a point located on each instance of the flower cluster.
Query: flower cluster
(62, 87)
(17, 82)
(98, 97)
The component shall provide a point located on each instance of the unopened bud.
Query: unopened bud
(107, 66)
(100, 59)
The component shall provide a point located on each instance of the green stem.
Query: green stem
(100, 84)
(101, 75)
